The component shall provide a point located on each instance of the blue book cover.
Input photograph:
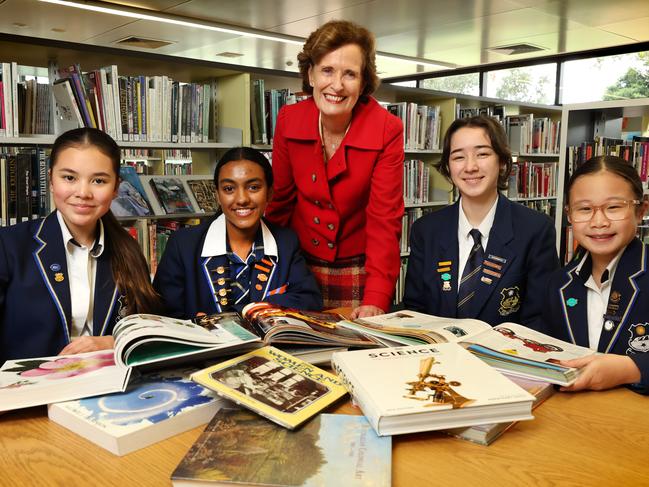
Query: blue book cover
(131, 199)
(155, 406)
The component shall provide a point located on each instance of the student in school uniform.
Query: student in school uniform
(236, 258)
(66, 279)
(485, 256)
(600, 299)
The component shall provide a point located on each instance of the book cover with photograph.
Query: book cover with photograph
(205, 194)
(239, 448)
(429, 387)
(45, 380)
(131, 199)
(155, 406)
(272, 383)
(172, 195)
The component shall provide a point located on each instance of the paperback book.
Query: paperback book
(239, 448)
(144, 339)
(276, 324)
(45, 380)
(274, 384)
(485, 434)
(509, 347)
(154, 407)
(131, 199)
(429, 387)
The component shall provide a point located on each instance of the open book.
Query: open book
(276, 324)
(508, 347)
(146, 339)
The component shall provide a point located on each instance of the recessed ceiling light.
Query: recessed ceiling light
(143, 42)
(229, 54)
(514, 49)
(57, 29)
(20, 25)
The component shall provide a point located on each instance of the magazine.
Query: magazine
(239, 448)
(131, 199)
(272, 383)
(276, 324)
(172, 195)
(509, 347)
(154, 407)
(429, 387)
(143, 339)
(44, 380)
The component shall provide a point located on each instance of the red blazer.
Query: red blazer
(333, 208)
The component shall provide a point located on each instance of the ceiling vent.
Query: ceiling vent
(229, 54)
(142, 42)
(514, 49)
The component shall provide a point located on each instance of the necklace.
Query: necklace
(333, 145)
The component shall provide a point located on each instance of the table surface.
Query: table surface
(588, 438)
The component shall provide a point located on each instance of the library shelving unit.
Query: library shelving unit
(586, 123)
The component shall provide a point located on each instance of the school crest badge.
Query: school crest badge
(639, 339)
(510, 301)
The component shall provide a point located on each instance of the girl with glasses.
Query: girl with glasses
(600, 300)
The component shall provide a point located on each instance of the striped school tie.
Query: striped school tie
(470, 276)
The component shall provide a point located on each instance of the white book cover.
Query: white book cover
(45, 380)
(429, 387)
(154, 407)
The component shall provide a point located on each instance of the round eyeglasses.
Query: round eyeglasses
(613, 210)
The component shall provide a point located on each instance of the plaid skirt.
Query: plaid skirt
(341, 282)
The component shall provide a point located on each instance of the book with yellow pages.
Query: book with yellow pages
(274, 384)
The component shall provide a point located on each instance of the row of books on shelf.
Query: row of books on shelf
(533, 180)
(400, 287)
(635, 151)
(495, 111)
(265, 107)
(25, 104)
(409, 217)
(421, 124)
(413, 373)
(416, 182)
(532, 135)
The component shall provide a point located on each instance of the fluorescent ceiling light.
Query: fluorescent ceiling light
(142, 14)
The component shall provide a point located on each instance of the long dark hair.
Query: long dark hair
(248, 154)
(613, 164)
(497, 137)
(129, 268)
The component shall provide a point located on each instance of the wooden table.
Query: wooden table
(590, 438)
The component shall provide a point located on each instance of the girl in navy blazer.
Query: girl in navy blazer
(236, 258)
(600, 300)
(506, 265)
(66, 279)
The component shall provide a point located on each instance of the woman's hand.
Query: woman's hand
(365, 311)
(88, 344)
(600, 372)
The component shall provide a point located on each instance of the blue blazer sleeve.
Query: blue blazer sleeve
(170, 278)
(414, 296)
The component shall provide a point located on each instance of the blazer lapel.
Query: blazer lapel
(106, 295)
(498, 258)
(624, 292)
(573, 297)
(52, 265)
(263, 272)
(448, 279)
(216, 276)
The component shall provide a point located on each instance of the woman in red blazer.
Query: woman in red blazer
(338, 168)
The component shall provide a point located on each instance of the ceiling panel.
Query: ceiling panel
(637, 29)
(597, 12)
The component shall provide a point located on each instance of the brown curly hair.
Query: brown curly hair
(331, 36)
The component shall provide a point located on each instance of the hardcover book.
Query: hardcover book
(205, 194)
(45, 380)
(429, 387)
(143, 339)
(509, 347)
(238, 448)
(131, 199)
(172, 195)
(154, 407)
(276, 324)
(272, 383)
(485, 434)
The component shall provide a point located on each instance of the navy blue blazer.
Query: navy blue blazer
(183, 275)
(35, 301)
(519, 258)
(565, 313)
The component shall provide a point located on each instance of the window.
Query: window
(616, 77)
(531, 84)
(465, 84)
(410, 83)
